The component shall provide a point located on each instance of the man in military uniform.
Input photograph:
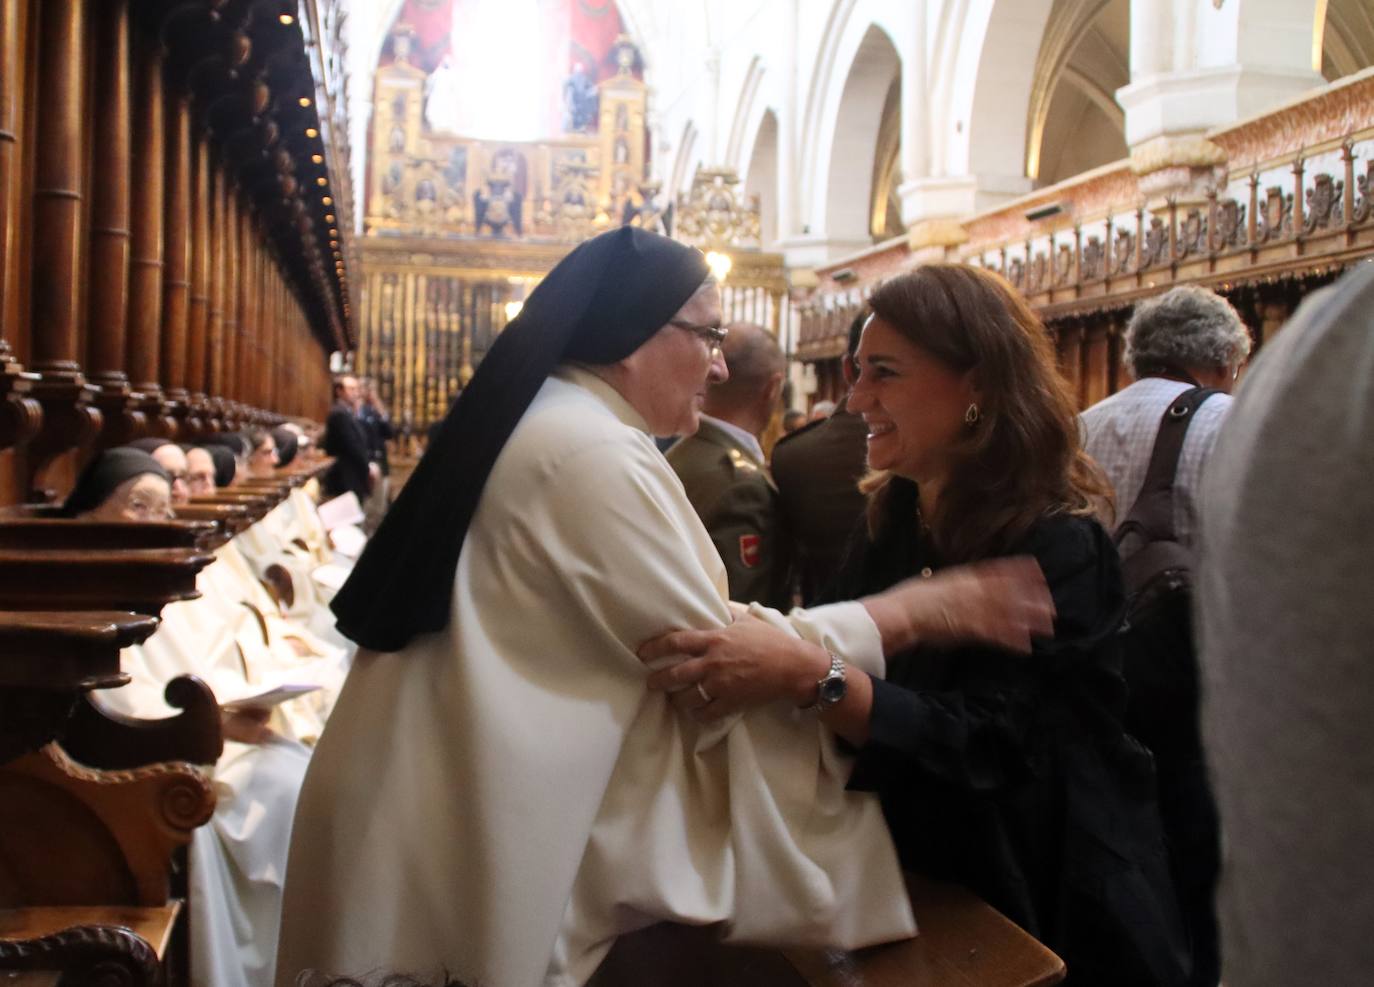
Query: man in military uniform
(722, 468)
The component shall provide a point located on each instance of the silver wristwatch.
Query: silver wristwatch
(831, 689)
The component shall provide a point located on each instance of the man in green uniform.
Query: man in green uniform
(722, 468)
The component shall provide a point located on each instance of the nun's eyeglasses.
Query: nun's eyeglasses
(714, 335)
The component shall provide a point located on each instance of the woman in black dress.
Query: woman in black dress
(1011, 775)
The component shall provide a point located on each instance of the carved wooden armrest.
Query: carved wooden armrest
(99, 737)
(118, 946)
(74, 835)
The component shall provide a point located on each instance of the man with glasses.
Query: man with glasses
(723, 470)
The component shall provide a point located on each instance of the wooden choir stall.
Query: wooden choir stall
(173, 196)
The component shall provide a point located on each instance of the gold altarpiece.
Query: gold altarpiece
(459, 230)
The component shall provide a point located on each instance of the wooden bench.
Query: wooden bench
(140, 579)
(962, 942)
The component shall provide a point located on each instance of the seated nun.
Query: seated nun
(172, 458)
(238, 859)
(200, 471)
(237, 446)
(226, 464)
(498, 796)
(121, 484)
(290, 545)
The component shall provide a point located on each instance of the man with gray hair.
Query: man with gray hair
(1185, 339)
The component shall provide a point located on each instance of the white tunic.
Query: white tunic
(238, 859)
(504, 797)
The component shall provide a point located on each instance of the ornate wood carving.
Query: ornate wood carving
(102, 738)
(99, 955)
(120, 828)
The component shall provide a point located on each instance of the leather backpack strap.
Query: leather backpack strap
(1152, 514)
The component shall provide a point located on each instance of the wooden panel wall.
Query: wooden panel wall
(159, 267)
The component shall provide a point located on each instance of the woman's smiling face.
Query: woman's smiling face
(913, 404)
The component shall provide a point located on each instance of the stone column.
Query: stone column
(1197, 66)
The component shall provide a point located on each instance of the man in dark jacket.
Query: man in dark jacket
(817, 469)
(346, 440)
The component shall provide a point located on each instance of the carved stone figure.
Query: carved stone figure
(497, 208)
(580, 101)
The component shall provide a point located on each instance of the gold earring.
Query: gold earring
(972, 415)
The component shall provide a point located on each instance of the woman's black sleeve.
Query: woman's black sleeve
(974, 734)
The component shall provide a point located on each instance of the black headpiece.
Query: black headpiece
(106, 472)
(599, 305)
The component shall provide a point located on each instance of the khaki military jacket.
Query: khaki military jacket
(736, 499)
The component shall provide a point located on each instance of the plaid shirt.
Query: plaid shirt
(1120, 431)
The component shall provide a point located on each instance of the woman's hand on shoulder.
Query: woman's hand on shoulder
(723, 670)
(1000, 602)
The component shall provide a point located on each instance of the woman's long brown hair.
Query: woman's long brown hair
(1023, 458)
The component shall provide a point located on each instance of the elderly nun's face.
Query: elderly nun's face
(262, 461)
(669, 375)
(200, 472)
(146, 497)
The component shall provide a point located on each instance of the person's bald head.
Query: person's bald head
(757, 369)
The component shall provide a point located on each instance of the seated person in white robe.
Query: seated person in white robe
(498, 796)
(238, 860)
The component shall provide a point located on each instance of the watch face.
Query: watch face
(832, 691)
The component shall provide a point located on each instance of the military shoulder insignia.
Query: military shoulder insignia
(742, 462)
(749, 550)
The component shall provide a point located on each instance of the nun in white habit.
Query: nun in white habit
(497, 795)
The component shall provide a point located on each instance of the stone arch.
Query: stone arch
(1006, 42)
(680, 182)
(1075, 123)
(761, 176)
(824, 127)
(858, 122)
(1347, 38)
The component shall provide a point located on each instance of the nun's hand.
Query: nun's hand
(721, 671)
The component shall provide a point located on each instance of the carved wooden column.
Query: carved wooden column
(145, 285)
(198, 320)
(272, 400)
(176, 273)
(233, 245)
(110, 200)
(20, 415)
(70, 421)
(248, 325)
(214, 369)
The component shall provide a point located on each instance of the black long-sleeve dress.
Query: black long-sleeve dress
(1013, 775)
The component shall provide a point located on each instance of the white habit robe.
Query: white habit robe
(504, 797)
(238, 858)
